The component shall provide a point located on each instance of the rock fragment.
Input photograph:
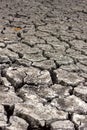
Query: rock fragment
(69, 78)
(17, 123)
(20, 75)
(70, 104)
(81, 92)
(38, 114)
(62, 125)
(80, 121)
(46, 64)
(8, 96)
(64, 60)
(53, 91)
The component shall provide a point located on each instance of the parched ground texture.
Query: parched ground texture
(43, 64)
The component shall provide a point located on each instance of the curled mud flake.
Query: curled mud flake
(17, 29)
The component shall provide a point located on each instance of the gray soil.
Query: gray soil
(43, 64)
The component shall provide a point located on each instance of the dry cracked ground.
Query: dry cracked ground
(43, 64)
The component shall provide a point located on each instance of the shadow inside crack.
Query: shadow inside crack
(40, 128)
(9, 110)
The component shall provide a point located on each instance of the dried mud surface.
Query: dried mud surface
(43, 64)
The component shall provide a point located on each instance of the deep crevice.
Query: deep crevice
(70, 117)
(20, 55)
(9, 110)
(46, 127)
(76, 126)
(71, 91)
(53, 76)
(57, 65)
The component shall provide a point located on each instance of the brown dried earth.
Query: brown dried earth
(43, 64)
